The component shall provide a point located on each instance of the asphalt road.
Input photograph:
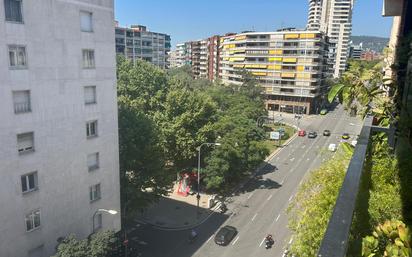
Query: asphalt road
(260, 207)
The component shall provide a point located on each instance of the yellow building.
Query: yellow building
(290, 65)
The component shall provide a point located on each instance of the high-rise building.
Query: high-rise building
(333, 17)
(137, 42)
(290, 65)
(355, 51)
(182, 55)
(59, 133)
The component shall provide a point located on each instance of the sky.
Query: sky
(186, 20)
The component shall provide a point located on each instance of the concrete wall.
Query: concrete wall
(54, 43)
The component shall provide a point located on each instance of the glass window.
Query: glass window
(17, 56)
(13, 10)
(25, 142)
(32, 220)
(21, 101)
(29, 182)
(88, 59)
(90, 94)
(91, 129)
(86, 24)
(94, 192)
(93, 161)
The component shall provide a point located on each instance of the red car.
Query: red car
(302, 133)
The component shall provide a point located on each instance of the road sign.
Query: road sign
(275, 135)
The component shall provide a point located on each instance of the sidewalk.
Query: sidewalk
(176, 212)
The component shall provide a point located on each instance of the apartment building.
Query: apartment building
(333, 17)
(181, 56)
(137, 42)
(355, 51)
(204, 57)
(290, 65)
(59, 135)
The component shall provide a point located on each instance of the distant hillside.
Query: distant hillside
(374, 43)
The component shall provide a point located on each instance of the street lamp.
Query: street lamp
(198, 170)
(112, 212)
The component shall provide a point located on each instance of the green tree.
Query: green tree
(310, 210)
(98, 245)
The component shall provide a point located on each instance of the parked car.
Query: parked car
(326, 132)
(332, 147)
(302, 133)
(225, 235)
(345, 136)
(323, 111)
(354, 143)
(312, 134)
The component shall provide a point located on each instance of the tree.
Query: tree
(358, 87)
(391, 238)
(311, 208)
(99, 245)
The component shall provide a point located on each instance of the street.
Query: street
(260, 207)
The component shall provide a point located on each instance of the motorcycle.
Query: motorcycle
(269, 242)
(223, 208)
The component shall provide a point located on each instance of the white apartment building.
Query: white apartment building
(59, 131)
(333, 17)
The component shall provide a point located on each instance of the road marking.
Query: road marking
(254, 217)
(283, 181)
(234, 242)
(308, 159)
(270, 196)
(277, 218)
(290, 198)
(261, 243)
(209, 239)
(292, 159)
(250, 195)
(291, 240)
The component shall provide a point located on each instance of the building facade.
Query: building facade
(333, 17)
(59, 134)
(181, 55)
(355, 51)
(290, 65)
(137, 42)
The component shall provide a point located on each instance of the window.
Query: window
(98, 221)
(13, 10)
(17, 56)
(25, 142)
(91, 128)
(86, 24)
(95, 192)
(90, 94)
(88, 59)
(21, 101)
(32, 220)
(93, 161)
(29, 182)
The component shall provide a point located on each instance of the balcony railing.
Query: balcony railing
(22, 107)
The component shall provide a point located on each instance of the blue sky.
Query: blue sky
(187, 20)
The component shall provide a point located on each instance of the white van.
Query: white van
(332, 147)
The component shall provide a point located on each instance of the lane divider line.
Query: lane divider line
(254, 217)
(270, 196)
(261, 243)
(234, 242)
(277, 218)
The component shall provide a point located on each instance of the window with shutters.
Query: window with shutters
(21, 101)
(90, 95)
(88, 59)
(93, 161)
(29, 182)
(33, 220)
(91, 129)
(25, 143)
(94, 192)
(86, 21)
(17, 57)
(13, 10)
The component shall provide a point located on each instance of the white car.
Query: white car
(354, 142)
(332, 147)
